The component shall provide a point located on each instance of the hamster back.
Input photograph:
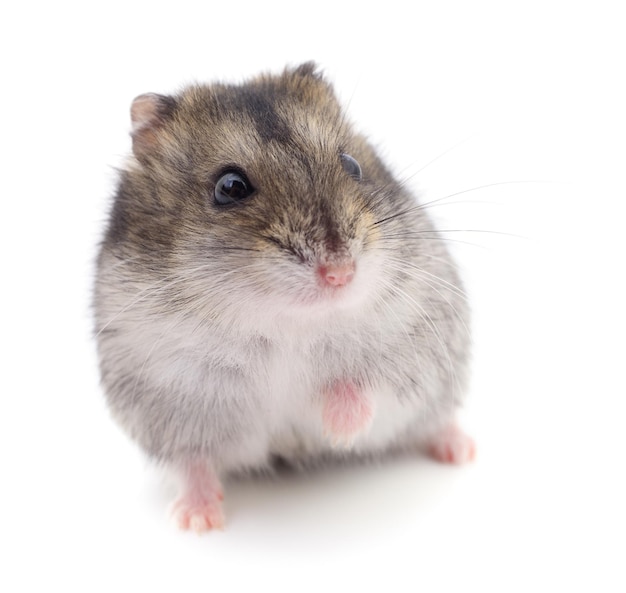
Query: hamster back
(265, 287)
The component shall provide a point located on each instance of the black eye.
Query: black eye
(232, 187)
(351, 166)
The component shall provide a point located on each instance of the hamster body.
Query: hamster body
(266, 288)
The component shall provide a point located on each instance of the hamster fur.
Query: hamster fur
(265, 287)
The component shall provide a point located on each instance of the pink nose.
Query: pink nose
(337, 275)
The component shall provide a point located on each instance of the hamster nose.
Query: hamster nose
(336, 275)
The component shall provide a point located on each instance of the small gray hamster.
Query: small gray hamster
(266, 289)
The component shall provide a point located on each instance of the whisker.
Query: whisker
(409, 233)
(434, 238)
(479, 187)
(421, 206)
(444, 153)
(171, 281)
(434, 282)
(423, 314)
(405, 267)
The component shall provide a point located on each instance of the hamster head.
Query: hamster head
(258, 200)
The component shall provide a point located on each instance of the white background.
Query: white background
(527, 92)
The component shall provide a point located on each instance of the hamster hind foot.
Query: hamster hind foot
(199, 507)
(347, 412)
(452, 445)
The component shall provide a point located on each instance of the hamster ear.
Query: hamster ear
(148, 113)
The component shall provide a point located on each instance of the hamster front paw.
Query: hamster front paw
(199, 507)
(347, 411)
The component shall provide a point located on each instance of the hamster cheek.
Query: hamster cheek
(199, 507)
(452, 445)
(347, 412)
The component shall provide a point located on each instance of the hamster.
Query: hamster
(267, 289)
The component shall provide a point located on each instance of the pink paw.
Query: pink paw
(198, 515)
(452, 445)
(200, 506)
(346, 413)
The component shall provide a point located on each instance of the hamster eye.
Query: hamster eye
(232, 187)
(351, 166)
